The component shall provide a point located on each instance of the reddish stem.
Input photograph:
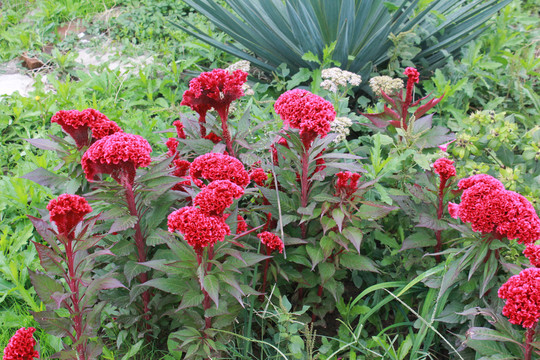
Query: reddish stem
(74, 288)
(531, 332)
(304, 186)
(202, 123)
(319, 294)
(440, 209)
(224, 114)
(406, 104)
(265, 274)
(140, 244)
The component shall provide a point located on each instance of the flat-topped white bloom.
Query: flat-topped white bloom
(385, 83)
(335, 77)
(341, 126)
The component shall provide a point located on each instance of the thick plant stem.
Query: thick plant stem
(304, 187)
(139, 243)
(74, 288)
(319, 294)
(529, 339)
(206, 301)
(265, 274)
(202, 124)
(224, 114)
(440, 208)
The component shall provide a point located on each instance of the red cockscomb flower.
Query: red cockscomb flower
(21, 345)
(272, 241)
(181, 169)
(444, 168)
(119, 155)
(215, 166)
(67, 211)
(83, 126)
(213, 138)
(412, 74)
(532, 252)
(217, 196)
(199, 229)
(258, 176)
(490, 208)
(522, 294)
(179, 129)
(215, 89)
(347, 184)
(241, 224)
(172, 145)
(303, 110)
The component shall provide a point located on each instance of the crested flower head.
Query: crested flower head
(216, 166)
(241, 224)
(217, 196)
(272, 241)
(303, 110)
(386, 84)
(532, 252)
(199, 230)
(21, 345)
(215, 89)
(172, 145)
(522, 294)
(85, 126)
(119, 155)
(258, 176)
(67, 211)
(179, 129)
(444, 168)
(347, 184)
(490, 208)
(412, 74)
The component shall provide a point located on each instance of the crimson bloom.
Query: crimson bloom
(199, 230)
(490, 208)
(522, 294)
(215, 166)
(303, 110)
(241, 224)
(532, 252)
(272, 241)
(258, 176)
(444, 168)
(67, 211)
(181, 169)
(347, 184)
(85, 126)
(217, 196)
(172, 145)
(21, 345)
(179, 129)
(119, 155)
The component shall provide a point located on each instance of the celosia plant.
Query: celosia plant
(532, 252)
(522, 294)
(491, 209)
(21, 345)
(73, 262)
(445, 169)
(215, 166)
(217, 196)
(397, 114)
(216, 89)
(347, 184)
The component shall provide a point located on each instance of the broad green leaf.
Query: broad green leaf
(211, 285)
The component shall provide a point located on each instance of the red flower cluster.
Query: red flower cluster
(181, 168)
(347, 184)
(217, 196)
(172, 145)
(241, 224)
(21, 345)
(119, 155)
(412, 74)
(200, 230)
(213, 138)
(522, 294)
(490, 208)
(272, 241)
(215, 89)
(532, 252)
(179, 129)
(273, 150)
(215, 166)
(78, 123)
(303, 110)
(67, 211)
(258, 176)
(444, 168)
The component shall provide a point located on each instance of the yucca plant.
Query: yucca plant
(270, 32)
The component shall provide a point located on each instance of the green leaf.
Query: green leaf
(45, 286)
(315, 254)
(133, 350)
(211, 285)
(191, 298)
(132, 269)
(373, 211)
(338, 217)
(168, 285)
(326, 270)
(482, 333)
(357, 262)
(354, 235)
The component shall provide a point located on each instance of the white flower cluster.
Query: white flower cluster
(341, 126)
(335, 77)
(385, 83)
(243, 65)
